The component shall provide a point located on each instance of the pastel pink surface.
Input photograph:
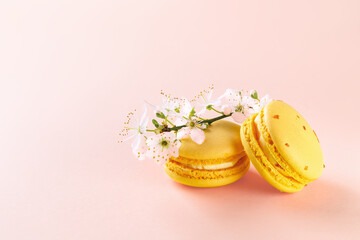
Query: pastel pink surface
(71, 70)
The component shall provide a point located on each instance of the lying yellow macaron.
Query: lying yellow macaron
(218, 161)
(282, 147)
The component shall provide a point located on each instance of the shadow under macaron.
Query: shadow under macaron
(250, 182)
(321, 198)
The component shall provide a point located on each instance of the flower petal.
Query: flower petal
(202, 111)
(264, 100)
(153, 140)
(216, 102)
(139, 148)
(143, 116)
(231, 97)
(248, 101)
(183, 133)
(226, 109)
(174, 151)
(197, 135)
(185, 107)
(238, 117)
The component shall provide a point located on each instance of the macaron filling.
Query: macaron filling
(211, 164)
(228, 169)
(213, 167)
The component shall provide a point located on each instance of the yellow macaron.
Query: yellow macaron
(218, 161)
(283, 147)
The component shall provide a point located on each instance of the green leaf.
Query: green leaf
(156, 124)
(160, 115)
(254, 95)
(192, 112)
(177, 110)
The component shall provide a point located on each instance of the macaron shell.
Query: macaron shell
(261, 162)
(220, 142)
(294, 139)
(222, 145)
(206, 178)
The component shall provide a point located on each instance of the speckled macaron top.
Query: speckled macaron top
(295, 141)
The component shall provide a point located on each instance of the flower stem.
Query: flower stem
(167, 120)
(150, 130)
(217, 111)
(209, 121)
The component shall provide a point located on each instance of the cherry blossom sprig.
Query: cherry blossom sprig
(178, 118)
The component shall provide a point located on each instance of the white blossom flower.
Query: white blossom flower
(265, 100)
(139, 147)
(206, 101)
(194, 130)
(169, 107)
(261, 103)
(248, 102)
(238, 104)
(180, 119)
(185, 111)
(236, 100)
(163, 146)
(136, 129)
(185, 107)
(231, 98)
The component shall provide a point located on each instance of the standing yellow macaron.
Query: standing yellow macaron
(218, 161)
(282, 147)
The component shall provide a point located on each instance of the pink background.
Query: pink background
(71, 70)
